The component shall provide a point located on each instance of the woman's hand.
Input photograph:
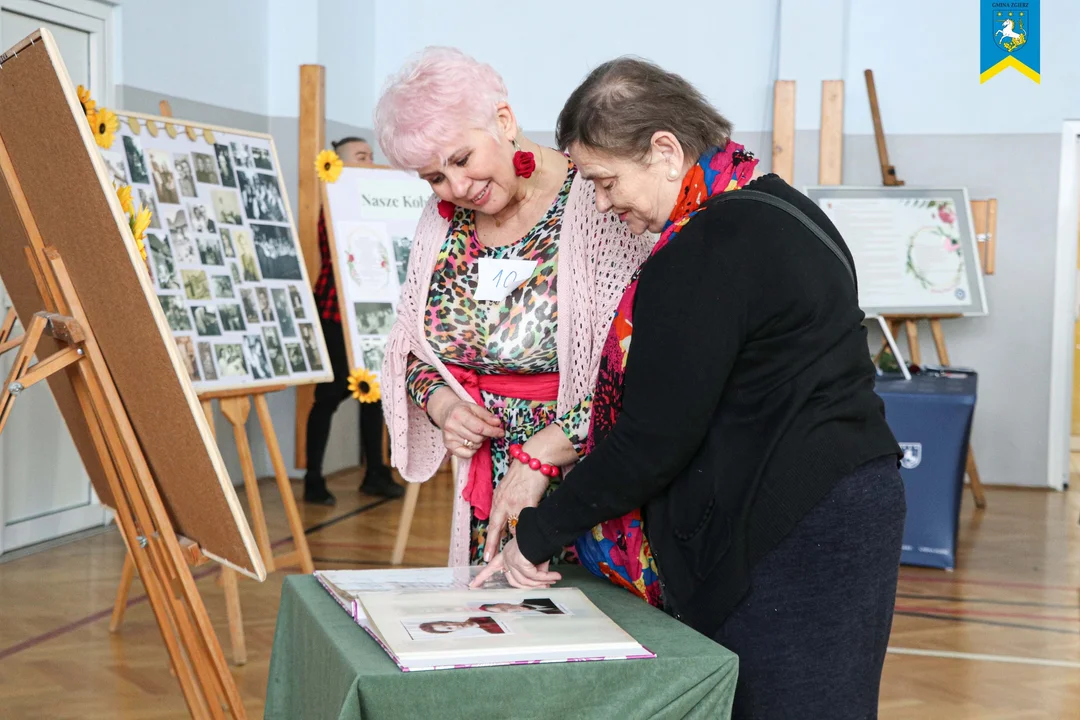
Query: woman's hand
(465, 425)
(518, 570)
(520, 488)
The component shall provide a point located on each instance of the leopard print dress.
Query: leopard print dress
(515, 336)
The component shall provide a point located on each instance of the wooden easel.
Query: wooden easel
(236, 407)
(985, 220)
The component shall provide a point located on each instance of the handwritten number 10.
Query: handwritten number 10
(509, 282)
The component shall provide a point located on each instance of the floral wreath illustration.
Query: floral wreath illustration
(945, 214)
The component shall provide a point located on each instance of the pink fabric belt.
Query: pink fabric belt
(543, 387)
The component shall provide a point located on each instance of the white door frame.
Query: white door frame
(1066, 311)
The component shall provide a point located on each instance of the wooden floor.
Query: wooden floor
(997, 639)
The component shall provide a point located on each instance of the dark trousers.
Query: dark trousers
(812, 631)
(328, 396)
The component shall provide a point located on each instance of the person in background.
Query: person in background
(328, 396)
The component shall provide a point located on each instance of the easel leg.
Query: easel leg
(972, 469)
(296, 525)
(236, 410)
(412, 492)
(126, 576)
(913, 341)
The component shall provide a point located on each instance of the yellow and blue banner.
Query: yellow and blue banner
(1010, 38)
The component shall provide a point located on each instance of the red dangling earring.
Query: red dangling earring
(524, 162)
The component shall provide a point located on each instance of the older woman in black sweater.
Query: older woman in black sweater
(734, 418)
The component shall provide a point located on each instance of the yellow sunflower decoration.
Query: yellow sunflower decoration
(363, 386)
(328, 165)
(124, 193)
(88, 104)
(104, 124)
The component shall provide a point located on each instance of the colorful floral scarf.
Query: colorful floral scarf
(618, 549)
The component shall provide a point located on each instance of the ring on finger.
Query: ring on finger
(467, 444)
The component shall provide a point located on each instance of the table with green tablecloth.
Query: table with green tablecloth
(325, 666)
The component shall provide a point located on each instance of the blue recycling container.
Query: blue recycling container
(931, 417)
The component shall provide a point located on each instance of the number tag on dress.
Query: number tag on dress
(499, 278)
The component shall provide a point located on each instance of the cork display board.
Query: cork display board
(68, 191)
(371, 216)
(224, 256)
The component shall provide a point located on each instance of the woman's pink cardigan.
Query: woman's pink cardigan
(597, 256)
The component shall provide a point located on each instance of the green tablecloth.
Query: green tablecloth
(325, 667)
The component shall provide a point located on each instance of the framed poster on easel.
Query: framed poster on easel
(915, 249)
(371, 214)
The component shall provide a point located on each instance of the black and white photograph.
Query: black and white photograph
(251, 310)
(223, 286)
(210, 250)
(277, 354)
(225, 166)
(227, 206)
(206, 169)
(201, 222)
(262, 198)
(311, 346)
(146, 199)
(164, 177)
(196, 284)
(164, 265)
(402, 248)
(206, 320)
(226, 243)
(115, 162)
(246, 252)
(175, 313)
(297, 302)
(296, 357)
(185, 175)
(257, 357)
(242, 155)
(230, 360)
(187, 351)
(373, 349)
(135, 160)
(278, 259)
(281, 304)
(232, 318)
(264, 304)
(262, 159)
(206, 359)
(235, 270)
(373, 318)
(183, 241)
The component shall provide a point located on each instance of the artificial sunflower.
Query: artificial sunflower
(363, 386)
(124, 193)
(139, 221)
(104, 124)
(328, 165)
(87, 102)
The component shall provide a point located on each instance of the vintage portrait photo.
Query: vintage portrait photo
(242, 155)
(227, 243)
(277, 354)
(187, 351)
(264, 304)
(175, 313)
(232, 319)
(261, 157)
(230, 360)
(146, 199)
(528, 606)
(226, 206)
(164, 177)
(463, 627)
(235, 270)
(183, 241)
(206, 320)
(184, 174)
(206, 359)
(281, 304)
(262, 198)
(277, 254)
(373, 349)
(225, 166)
(297, 302)
(223, 286)
(164, 266)
(402, 248)
(114, 161)
(311, 347)
(246, 253)
(373, 318)
(135, 160)
(201, 222)
(196, 284)
(251, 310)
(210, 250)
(205, 169)
(296, 357)
(258, 359)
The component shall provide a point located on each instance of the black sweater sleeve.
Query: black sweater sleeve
(690, 320)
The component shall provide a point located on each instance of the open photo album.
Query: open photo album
(429, 619)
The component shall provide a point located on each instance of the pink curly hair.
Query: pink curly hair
(437, 94)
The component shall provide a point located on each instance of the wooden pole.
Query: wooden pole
(783, 150)
(888, 172)
(831, 147)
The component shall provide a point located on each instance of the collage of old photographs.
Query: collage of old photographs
(223, 258)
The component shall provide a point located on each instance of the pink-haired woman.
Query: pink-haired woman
(504, 384)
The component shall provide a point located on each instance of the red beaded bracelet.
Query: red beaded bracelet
(521, 456)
